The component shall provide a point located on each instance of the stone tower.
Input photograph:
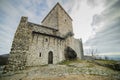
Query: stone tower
(49, 43)
(59, 19)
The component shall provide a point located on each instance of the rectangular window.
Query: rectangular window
(39, 54)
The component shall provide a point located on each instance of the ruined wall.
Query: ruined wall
(20, 47)
(78, 48)
(81, 49)
(42, 44)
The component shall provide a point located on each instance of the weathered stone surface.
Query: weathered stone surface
(58, 19)
(20, 47)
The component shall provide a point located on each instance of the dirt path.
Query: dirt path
(75, 77)
(72, 71)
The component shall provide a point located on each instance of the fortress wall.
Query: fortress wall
(78, 48)
(20, 47)
(42, 44)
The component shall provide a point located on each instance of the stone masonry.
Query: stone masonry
(36, 44)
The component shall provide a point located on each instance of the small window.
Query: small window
(46, 40)
(39, 54)
(65, 20)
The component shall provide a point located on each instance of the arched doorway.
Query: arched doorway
(70, 54)
(50, 57)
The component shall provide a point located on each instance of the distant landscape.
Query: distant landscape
(4, 59)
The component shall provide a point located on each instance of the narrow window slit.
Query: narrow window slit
(39, 54)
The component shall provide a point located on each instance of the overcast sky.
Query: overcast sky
(97, 22)
(106, 27)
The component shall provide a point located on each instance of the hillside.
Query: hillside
(67, 70)
(4, 59)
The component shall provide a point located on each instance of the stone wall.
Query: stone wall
(42, 45)
(58, 19)
(20, 47)
(78, 47)
(64, 22)
(42, 29)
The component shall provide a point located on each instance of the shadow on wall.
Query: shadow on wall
(70, 54)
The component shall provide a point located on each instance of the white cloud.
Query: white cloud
(11, 14)
(107, 26)
(82, 15)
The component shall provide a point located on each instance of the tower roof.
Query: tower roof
(53, 9)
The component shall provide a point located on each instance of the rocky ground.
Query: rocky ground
(67, 70)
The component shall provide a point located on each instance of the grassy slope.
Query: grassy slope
(67, 70)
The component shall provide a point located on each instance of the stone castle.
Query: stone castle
(48, 43)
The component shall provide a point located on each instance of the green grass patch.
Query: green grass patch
(107, 61)
(44, 65)
(67, 62)
(90, 66)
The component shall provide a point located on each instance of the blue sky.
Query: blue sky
(95, 21)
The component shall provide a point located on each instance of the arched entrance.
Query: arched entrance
(50, 57)
(70, 54)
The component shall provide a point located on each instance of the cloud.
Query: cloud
(94, 3)
(107, 26)
(10, 14)
(82, 13)
(99, 13)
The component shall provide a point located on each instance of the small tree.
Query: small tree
(92, 51)
(106, 58)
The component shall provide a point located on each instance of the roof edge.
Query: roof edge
(43, 26)
(53, 8)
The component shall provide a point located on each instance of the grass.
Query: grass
(44, 65)
(85, 63)
(67, 62)
(90, 66)
(107, 61)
